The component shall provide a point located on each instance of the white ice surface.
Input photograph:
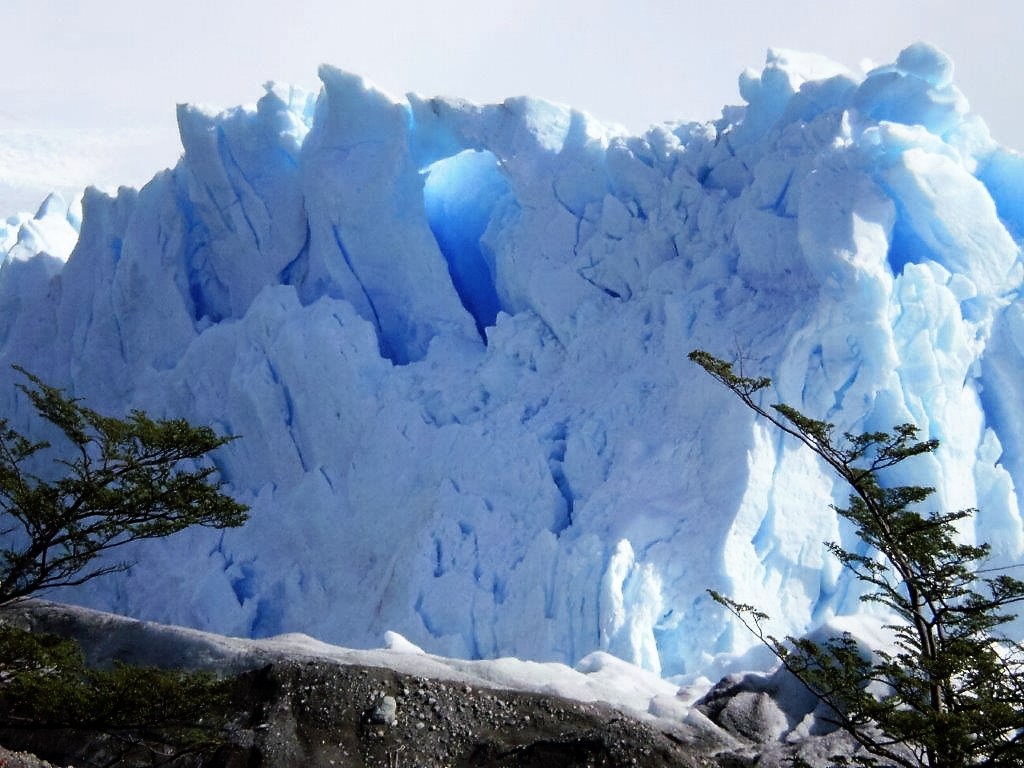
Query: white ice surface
(453, 341)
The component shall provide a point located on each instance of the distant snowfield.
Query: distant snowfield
(37, 161)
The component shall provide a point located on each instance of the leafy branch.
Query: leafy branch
(119, 481)
(950, 693)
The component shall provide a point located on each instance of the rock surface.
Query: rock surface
(300, 709)
(9, 759)
(323, 714)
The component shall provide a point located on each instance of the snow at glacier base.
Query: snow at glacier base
(452, 339)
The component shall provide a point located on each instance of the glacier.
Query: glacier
(452, 339)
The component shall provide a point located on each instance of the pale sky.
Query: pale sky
(88, 87)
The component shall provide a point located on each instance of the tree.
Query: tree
(950, 691)
(50, 696)
(120, 480)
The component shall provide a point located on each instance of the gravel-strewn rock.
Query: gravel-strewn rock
(305, 713)
(299, 709)
(10, 759)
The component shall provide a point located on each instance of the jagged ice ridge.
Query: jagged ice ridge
(453, 339)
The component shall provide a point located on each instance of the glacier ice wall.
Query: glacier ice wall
(453, 339)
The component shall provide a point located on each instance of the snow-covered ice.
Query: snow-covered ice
(453, 340)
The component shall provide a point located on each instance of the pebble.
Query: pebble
(385, 711)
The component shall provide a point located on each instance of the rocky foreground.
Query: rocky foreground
(296, 708)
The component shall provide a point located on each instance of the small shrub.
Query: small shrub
(46, 684)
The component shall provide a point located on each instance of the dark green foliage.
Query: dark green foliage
(46, 684)
(119, 480)
(950, 693)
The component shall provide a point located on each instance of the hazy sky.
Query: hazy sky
(88, 87)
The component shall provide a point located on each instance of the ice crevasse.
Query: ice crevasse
(453, 339)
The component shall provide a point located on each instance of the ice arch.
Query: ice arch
(460, 194)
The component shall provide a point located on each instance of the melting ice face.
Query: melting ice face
(453, 339)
